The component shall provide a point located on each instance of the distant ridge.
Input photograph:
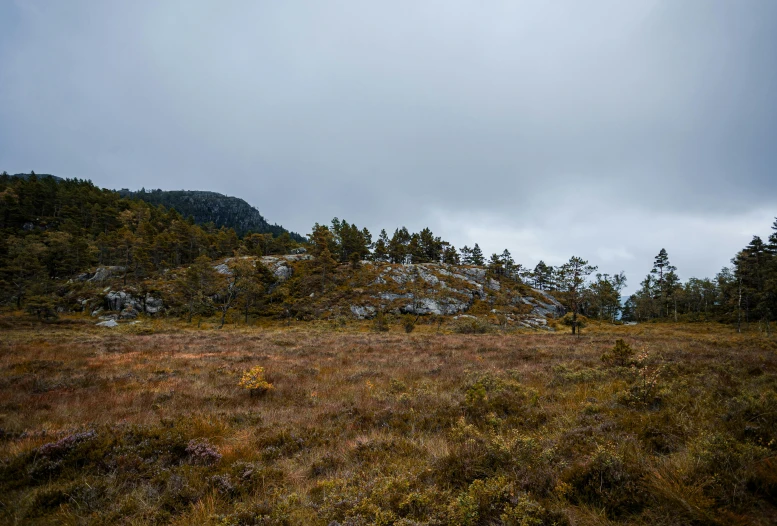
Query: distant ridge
(39, 176)
(203, 206)
(212, 207)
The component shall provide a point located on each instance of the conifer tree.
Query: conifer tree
(450, 256)
(466, 255)
(196, 287)
(543, 276)
(508, 263)
(380, 253)
(574, 274)
(477, 256)
(496, 265)
(665, 280)
(398, 246)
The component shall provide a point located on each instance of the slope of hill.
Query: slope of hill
(207, 207)
(39, 176)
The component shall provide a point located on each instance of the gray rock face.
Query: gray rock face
(427, 276)
(550, 307)
(477, 274)
(435, 306)
(116, 300)
(104, 273)
(388, 296)
(108, 323)
(121, 301)
(223, 269)
(282, 273)
(279, 265)
(363, 312)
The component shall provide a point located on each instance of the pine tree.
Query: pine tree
(398, 246)
(196, 287)
(450, 256)
(665, 279)
(381, 247)
(574, 274)
(508, 263)
(543, 276)
(496, 265)
(466, 255)
(477, 256)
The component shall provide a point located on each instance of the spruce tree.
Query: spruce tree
(477, 256)
(466, 255)
(380, 253)
(574, 274)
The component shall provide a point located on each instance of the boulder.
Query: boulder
(283, 272)
(119, 300)
(129, 313)
(116, 300)
(153, 305)
(363, 311)
(108, 323)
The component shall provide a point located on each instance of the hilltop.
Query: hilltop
(212, 207)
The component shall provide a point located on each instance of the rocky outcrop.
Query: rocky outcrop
(445, 306)
(280, 265)
(439, 289)
(363, 312)
(119, 300)
(101, 274)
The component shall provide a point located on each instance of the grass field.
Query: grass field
(148, 425)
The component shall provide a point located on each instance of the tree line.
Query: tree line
(54, 229)
(743, 293)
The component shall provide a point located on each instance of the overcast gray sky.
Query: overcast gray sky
(606, 129)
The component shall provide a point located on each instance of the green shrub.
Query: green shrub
(620, 355)
(470, 326)
(607, 481)
(408, 323)
(380, 323)
(489, 395)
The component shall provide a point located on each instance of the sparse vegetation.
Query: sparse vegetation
(676, 426)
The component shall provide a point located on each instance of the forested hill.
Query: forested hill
(212, 207)
(39, 176)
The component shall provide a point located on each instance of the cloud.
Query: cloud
(607, 129)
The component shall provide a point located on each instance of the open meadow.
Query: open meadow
(148, 424)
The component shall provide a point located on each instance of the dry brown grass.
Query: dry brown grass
(382, 428)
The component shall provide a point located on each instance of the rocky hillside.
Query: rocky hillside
(212, 207)
(457, 293)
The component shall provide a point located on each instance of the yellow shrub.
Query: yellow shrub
(254, 381)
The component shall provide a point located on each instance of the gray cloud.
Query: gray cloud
(607, 129)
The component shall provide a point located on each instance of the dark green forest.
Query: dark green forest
(212, 207)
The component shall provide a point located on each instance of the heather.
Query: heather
(149, 424)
